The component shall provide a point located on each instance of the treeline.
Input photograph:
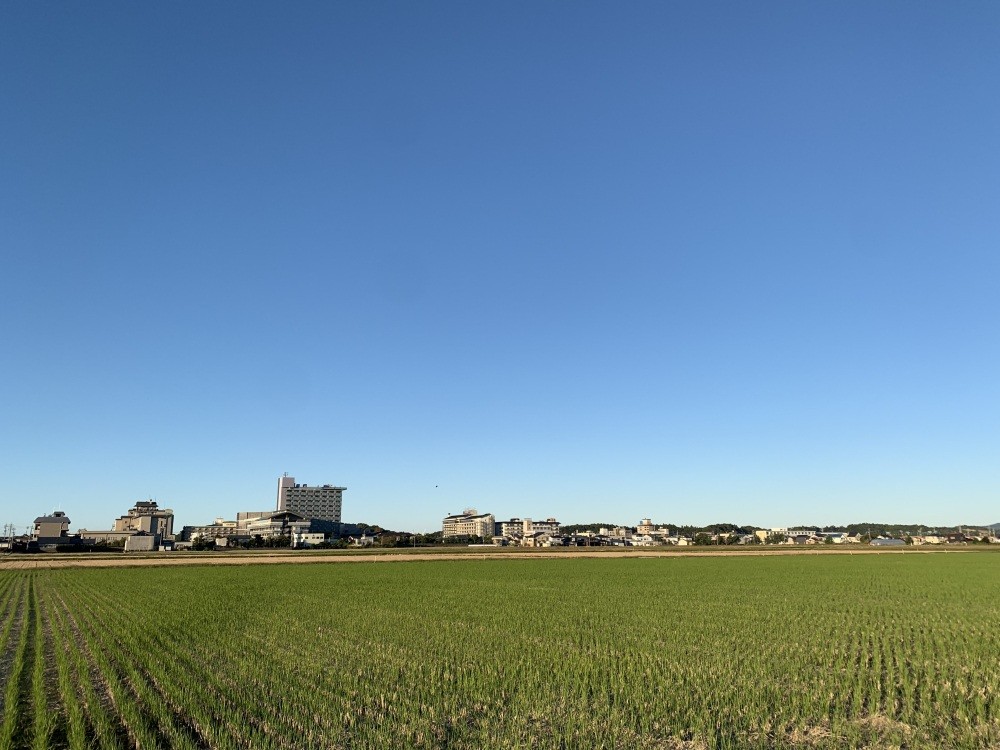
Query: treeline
(886, 529)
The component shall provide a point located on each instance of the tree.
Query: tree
(202, 543)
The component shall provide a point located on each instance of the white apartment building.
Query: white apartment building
(525, 527)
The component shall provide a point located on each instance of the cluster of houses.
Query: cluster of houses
(643, 536)
(807, 536)
(527, 533)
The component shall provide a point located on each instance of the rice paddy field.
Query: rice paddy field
(879, 651)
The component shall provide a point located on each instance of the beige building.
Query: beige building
(469, 523)
(146, 516)
(53, 526)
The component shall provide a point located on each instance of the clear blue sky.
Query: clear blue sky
(695, 261)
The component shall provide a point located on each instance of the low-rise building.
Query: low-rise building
(115, 538)
(220, 529)
(280, 523)
(540, 539)
(52, 532)
(644, 540)
(142, 542)
(307, 539)
(618, 532)
(886, 542)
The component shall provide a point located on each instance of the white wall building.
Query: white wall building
(517, 528)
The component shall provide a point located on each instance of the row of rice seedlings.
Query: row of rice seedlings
(186, 683)
(43, 715)
(9, 581)
(83, 695)
(119, 656)
(149, 721)
(68, 678)
(11, 595)
(130, 709)
(13, 705)
(11, 590)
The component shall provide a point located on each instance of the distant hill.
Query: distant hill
(994, 526)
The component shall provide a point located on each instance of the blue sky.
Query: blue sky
(701, 262)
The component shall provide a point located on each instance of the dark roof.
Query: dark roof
(53, 540)
(288, 515)
(57, 517)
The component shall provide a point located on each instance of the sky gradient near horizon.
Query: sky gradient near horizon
(699, 262)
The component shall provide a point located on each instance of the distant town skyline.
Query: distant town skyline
(706, 263)
(285, 482)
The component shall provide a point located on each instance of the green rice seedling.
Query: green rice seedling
(13, 704)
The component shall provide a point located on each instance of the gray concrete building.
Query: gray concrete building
(320, 504)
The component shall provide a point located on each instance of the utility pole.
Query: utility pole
(8, 532)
